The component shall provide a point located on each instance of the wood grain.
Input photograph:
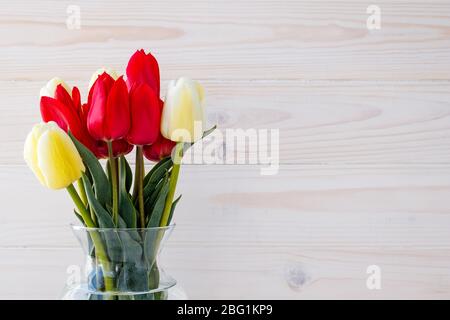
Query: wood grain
(257, 39)
(318, 122)
(302, 206)
(257, 272)
(363, 116)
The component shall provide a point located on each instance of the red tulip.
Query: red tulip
(63, 114)
(100, 148)
(120, 147)
(145, 107)
(160, 149)
(109, 115)
(143, 68)
(65, 110)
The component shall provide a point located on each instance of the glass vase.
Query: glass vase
(121, 264)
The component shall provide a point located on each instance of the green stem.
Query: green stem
(172, 184)
(115, 191)
(96, 239)
(82, 191)
(83, 197)
(80, 206)
(137, 169)
(139, 180)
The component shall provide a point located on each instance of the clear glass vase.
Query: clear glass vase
(121, 264)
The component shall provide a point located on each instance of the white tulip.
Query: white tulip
(183, 115)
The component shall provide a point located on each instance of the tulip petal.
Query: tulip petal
(143, 68)
(66, 118)
(183, 114)
(58, 159)
(97, 109)
(64, 97)
(30, 153)
(117, 121)
(76, 98)
(50, 88)
(145, 108)
(54, 110)
(120, 147)
(112, 73)
(106, 82)
(108, 117)
(160, 149)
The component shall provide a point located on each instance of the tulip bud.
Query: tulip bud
(143, 68)
(101, 71)
(52, 156)
(50, 88)
(160, 149)
(109, 115)
(145, 108)
(183, 114)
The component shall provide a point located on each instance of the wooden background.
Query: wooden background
(364, 120)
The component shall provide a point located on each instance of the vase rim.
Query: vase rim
(77, 227)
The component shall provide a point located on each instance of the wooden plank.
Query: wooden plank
(245, 272)
(305, 273)
(364, 143)
(319, 122)
(209, 40)
(232, 206)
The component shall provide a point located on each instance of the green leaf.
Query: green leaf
(90, 245)
(133, 273)
(155, 167)
(154, 275)
(108, 169)
(152, 242)
(88, 174)
(103, 217)
(155, 175)
(172, 209)
(99, 178)
(126, 208)
(209, 131)
(133, 277)
(156, 191)
(158, 208)
(151, 199)
(79, 217)
(206, 133)
(128, 174)
(113, 244)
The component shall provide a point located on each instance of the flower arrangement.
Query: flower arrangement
(124, 216)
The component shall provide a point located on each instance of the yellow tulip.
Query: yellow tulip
(52, 156)
(100, 71)
(50, 87)
(183, 113)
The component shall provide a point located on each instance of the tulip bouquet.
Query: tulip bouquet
(124, 216)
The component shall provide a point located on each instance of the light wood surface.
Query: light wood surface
(364, 126)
